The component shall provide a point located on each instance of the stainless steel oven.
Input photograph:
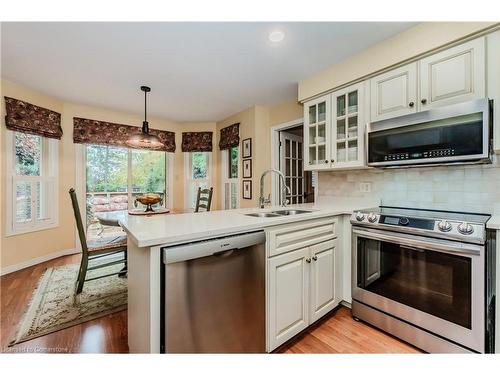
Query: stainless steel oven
(451, 134)
(427, 289)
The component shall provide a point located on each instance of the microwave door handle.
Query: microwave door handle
(425, 245)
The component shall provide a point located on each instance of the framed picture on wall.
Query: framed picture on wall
(247, 148)
(247, 168)
(247, 189)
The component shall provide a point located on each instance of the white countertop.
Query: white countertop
(147, 231)
(494, 222)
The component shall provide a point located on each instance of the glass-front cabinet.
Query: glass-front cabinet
(334, 129)
(317, 134)
(347, 140)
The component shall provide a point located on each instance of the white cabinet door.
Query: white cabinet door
(454, 75)
(325, 295)
(288, 287)
(317, 134)
(394, 93)
(348, 127)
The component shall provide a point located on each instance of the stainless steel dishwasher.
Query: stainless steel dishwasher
(214, 295)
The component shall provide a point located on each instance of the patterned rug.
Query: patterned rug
(54, 306)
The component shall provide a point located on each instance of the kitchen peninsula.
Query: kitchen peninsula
(285, 235)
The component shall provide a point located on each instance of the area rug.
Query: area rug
(54, 306)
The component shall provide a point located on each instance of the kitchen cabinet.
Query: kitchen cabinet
(394, 93)
(347, 127)
(453, 75)
(324, 293)
(288, 278)
(304, 276)
(317, 129)
(303, 286)
(334, 130)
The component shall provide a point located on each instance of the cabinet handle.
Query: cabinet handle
(411, 104)
(326, 161)
(308, 260)
(423, 101)
(333, 160)
(315, 258)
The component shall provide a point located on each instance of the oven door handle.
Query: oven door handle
(456, 248)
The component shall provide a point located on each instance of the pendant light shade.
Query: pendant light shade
(144, 139)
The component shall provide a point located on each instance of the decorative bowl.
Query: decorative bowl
(148, 200)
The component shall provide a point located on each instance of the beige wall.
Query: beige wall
(408, 44)
(15, 249)
(246, 119)
(256, 122)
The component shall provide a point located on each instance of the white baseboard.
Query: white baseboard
(35, 261)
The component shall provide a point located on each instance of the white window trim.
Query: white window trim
(50, 156)
(188, 181)
(226, 179)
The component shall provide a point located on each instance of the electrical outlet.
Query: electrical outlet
(365, 187)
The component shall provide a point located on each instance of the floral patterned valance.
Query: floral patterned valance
(29, 118)
(197, 141)
(108, 133)
(229, 136)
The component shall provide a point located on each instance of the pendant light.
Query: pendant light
(144, 139)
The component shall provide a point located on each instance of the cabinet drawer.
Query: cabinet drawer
(294, 236)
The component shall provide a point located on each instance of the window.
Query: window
(115, 176)
(32, 183)
(230, 191)
(197, 172)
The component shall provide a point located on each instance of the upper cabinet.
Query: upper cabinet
(333, 130)
(317, 134)
(454, 75)
(451, 76)
(394, 93)
(347, 127)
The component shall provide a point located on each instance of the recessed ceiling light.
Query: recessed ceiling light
(276, 36)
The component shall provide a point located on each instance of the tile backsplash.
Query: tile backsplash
(473, 188)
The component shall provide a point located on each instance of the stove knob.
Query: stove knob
(360, 216)
(404, 221)
(372, 217)
(465, 228)
(444, 226)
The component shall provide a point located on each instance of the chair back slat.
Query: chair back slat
(204, 199)
(79, 223)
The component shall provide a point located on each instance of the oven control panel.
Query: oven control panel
(441, 228)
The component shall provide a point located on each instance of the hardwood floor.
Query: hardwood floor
(104, 335)
(340, 333)
(337, 333)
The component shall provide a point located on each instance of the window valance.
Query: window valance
(229, 136)
(29, 118)
(197, 141)
(108, 133)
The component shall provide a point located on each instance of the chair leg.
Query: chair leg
(123, 271)
(82, 274)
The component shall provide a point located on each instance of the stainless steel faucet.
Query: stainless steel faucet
(262, 200)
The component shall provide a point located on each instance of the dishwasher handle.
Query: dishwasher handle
(221, 247)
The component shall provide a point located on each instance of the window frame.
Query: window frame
(226, 164)
(49, 175)
(189, 182)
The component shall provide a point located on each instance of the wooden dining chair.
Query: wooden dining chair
(96, 249)
(204, 199)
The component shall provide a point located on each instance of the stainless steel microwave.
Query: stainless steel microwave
(451, 134)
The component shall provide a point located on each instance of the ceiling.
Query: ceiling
(197, 71)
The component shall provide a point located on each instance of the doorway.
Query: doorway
(288, 158)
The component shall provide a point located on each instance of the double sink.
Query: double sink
(278, 213)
